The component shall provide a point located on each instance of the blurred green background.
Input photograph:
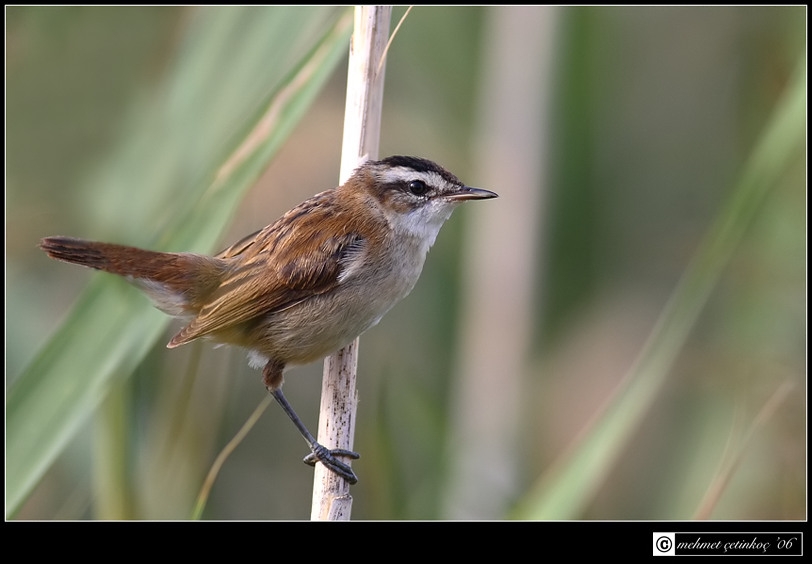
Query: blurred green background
(615, 138)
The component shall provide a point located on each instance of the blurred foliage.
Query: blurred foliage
(656, 111)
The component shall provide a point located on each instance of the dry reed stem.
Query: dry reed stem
(362, 118)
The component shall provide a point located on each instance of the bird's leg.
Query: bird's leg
(319, 452)
(272, 376)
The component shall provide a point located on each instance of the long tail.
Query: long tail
(177, 283)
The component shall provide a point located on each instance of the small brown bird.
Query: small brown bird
(306, 285)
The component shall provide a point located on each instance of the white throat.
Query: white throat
(423, 223)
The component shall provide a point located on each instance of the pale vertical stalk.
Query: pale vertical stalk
(497, 300)
(362, 123)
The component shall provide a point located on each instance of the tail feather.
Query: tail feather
(77, 251)
(177, 283)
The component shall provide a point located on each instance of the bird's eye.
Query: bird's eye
(418, 187)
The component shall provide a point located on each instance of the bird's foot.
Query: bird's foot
(328, 458)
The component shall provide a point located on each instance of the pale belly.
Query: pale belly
(315, 328)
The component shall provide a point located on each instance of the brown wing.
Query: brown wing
(290, 260)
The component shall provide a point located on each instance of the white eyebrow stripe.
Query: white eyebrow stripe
(405, 174)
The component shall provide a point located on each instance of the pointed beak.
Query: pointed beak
(468, 193)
